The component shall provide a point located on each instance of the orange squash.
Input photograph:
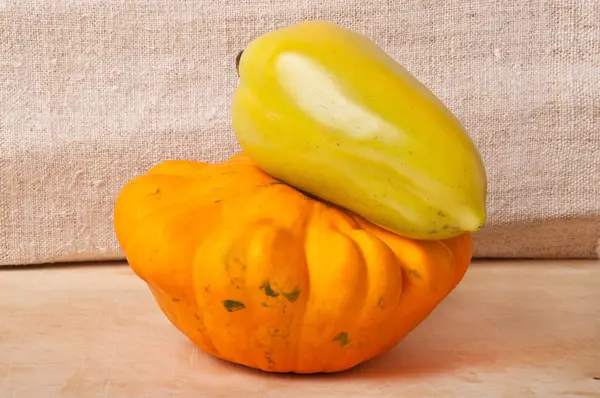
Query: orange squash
(257, 273)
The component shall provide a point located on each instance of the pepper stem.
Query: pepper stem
(237, 62)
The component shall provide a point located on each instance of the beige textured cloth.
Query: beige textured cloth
(93, 93)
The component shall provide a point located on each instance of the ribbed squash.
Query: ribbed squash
(257, 273)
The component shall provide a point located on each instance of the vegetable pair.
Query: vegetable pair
(343, 224)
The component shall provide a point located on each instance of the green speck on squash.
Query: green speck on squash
(292, 296)
(269, 359)
(414, 273)
(232, 305)
(342, 338)
(269, 290)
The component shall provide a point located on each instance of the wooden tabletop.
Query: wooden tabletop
(511, 329)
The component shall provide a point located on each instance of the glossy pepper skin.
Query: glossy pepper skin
(255, 272)
(327, 111)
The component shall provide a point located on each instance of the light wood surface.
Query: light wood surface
(511, 329)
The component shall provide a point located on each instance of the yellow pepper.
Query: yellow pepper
(327, 111)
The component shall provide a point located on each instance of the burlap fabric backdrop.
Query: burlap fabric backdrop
(93, 93)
